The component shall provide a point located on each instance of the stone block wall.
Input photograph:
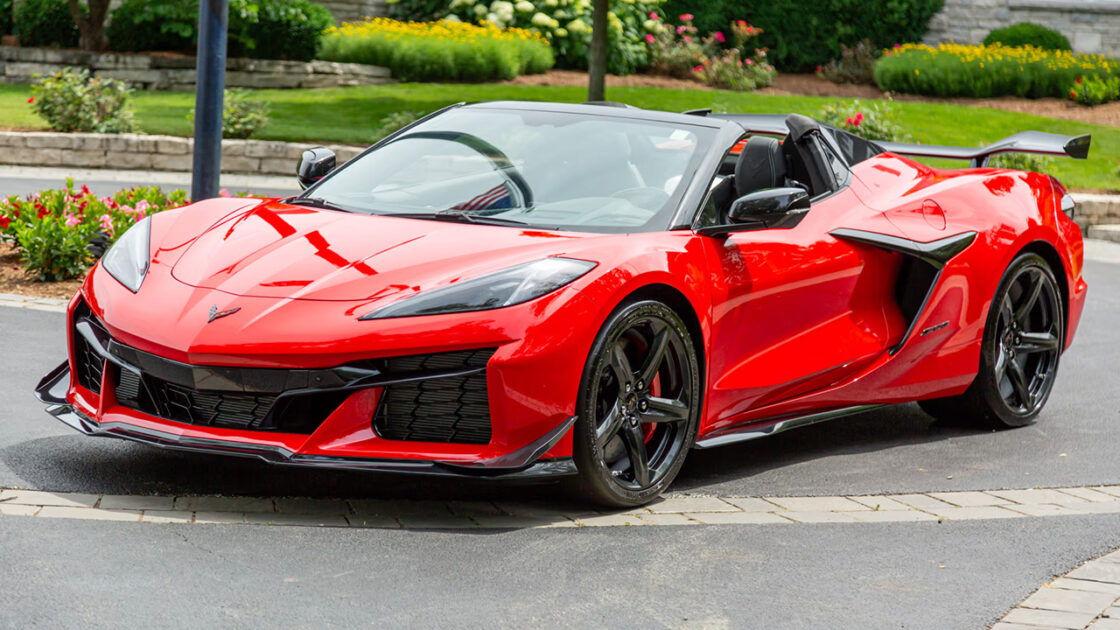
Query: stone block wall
(154, 153)
(353, 10)
(1092, 26)
(159, 72)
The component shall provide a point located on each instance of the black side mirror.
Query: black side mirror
(768, 205)
(315, 165)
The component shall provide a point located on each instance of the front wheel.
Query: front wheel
(1022, 344)
(638, 406)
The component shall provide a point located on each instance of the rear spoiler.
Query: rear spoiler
(1076, 147)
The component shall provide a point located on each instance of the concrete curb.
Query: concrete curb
(1087, 597)
(932, 507)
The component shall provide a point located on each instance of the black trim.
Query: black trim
(935, 253)
(523, 463)
(1076, 147)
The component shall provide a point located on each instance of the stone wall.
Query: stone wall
(1092, 26)
(353, 10)
(160, 72)
(155, 153)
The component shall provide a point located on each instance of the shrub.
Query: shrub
(856, 65)
(268, 29)
(54, 231)
(45, 23)
(1095, 90)
(439, 51)
(729, 71)
(676, 52)
(5, 17)
(566, 24)
(242, 114)
(1028, 34)
(803, 35)
(986, 71)
(874, 121)
(1023, 162)
(72, 101)
(396, 121)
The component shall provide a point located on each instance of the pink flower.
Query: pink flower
(859, 117)
(750, 62)
(698, 69)
(720, 37)
(653, 16)
(142, 208)
(897, 46)
(72, 220)
(849, 121)
(224, 193)
(128, 209)
(819, 68)
(687, 17)
(687, 39)
(649, 38)
(680, 29)
(107, 224)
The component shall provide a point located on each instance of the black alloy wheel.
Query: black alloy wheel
(639, 406)
(1023, 342)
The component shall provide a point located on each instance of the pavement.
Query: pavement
(883, 520)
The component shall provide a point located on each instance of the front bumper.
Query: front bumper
(522, 463)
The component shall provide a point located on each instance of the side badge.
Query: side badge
(216, 314)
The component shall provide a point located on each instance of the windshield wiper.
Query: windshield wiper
(315, 202)
(456, 217)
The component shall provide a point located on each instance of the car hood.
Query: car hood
(282, 251)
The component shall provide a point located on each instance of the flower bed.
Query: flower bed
(58, 234)
(985, 71)
(439, 51)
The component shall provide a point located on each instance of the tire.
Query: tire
(1023, 340)
(638, 406)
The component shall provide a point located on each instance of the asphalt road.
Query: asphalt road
(63, 573)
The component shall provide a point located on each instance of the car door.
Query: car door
(797, 310)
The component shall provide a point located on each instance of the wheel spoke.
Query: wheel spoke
(636, 452)
(610, 425)
(1019, 382)
(621, 367)
(654, 357)
(665, 410)
(1001, 366)
(1027, 305)
(1031, 343)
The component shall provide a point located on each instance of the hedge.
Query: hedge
(803, 35)
(1028, 34)
(45, 23)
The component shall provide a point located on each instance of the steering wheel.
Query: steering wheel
(649, 197)
(502, 164)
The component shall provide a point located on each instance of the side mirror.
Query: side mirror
(315, 165)
(767, 206)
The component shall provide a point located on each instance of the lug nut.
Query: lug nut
(641, 385)
(643, 406)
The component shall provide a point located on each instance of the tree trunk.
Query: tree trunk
(91, 25)
(597, 65)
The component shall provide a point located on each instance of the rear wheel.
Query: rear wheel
(639, 406)
(1019, 354)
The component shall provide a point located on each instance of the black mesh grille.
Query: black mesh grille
(452, 409)
(88, 362)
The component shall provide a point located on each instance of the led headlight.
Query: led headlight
(495, 290)
(127, 260)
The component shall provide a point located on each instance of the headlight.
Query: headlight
(127, 259)
(495, 290)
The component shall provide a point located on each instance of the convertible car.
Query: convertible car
(521, 290)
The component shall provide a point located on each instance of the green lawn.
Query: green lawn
(353, 115)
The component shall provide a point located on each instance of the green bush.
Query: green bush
(803, 35)
(1093, 91)
(242, 114)
(73, 101)
(45, 23)
(439, 51)
(56, 232)
(950, 70)
(269, 29)
(856, 65)
(874, 120)
(1028, 34)
(1024, 162)
(396, 121)
(417, 10)
(5, 17)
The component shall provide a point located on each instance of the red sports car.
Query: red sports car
(528, 289)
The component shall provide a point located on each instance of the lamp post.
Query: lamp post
(213, 23)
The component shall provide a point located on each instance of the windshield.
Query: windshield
(544, 169)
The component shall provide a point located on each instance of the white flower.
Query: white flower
(540, 20)
(524, 6)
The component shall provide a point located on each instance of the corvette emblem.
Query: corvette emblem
(216, 314)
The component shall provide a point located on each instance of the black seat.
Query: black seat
(761, 165)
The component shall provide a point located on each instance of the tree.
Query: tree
(597, 64)
(91, 24)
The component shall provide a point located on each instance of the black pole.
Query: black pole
(213, 20)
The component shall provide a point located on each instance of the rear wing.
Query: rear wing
(1076, 147)
(1038, 142)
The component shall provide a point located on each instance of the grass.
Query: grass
(354, 115)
